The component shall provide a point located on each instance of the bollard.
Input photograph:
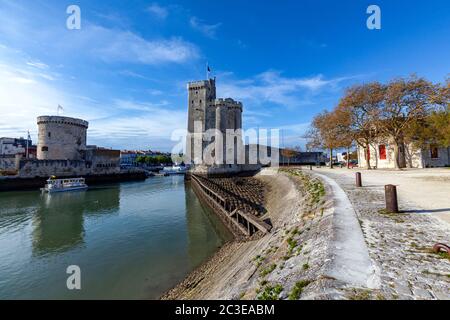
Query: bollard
(391, 198)
(358, 180)
(310, 167)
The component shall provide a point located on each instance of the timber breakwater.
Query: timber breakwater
(239, 202)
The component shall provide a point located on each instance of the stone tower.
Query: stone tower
(201, 111)
(61, 138)
(205, 113)
(228, 114)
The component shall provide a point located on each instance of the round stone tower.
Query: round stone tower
(61, 138)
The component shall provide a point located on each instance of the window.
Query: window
(382, 149)
(434, 153)
(44, 149)
(49, 134)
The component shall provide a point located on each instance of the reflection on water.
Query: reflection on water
(58, 223)
(131, 240)
(198, 232)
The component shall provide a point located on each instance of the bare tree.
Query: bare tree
(435, 129)
(324, 133)
(406, 101)
(361, 105)
(345, 135)
(288, 154)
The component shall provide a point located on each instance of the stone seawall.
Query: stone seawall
(17, 184)
(293, 261)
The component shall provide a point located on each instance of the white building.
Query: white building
(381, 155)
(13, 146)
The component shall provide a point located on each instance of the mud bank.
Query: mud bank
(294, 261)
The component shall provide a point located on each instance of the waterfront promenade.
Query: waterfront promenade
(312, 246)
(400, 244)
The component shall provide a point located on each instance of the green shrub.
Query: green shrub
(268, 270)
(271, 293)
(298, 289)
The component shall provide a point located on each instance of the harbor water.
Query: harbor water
(130, 240)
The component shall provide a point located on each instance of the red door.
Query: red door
(382, 152)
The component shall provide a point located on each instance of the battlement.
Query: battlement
(203, 84)
(228, 102)
(62, 120)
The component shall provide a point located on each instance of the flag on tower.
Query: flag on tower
(60, 109)
(208, 70)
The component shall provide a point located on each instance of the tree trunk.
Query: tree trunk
(396, 156)
(331, 158)
(348, 157)
(367, 155)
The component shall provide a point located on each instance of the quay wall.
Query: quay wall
(103, 164)
(35, 183)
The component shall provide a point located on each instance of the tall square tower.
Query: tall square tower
(201, 111)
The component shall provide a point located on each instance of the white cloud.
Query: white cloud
(125, 46)
(21, 24)
(151, 128)
(132, 74)
(272, 87)
(158, 11)
(37, 64)
(208, 30)
(25, 95)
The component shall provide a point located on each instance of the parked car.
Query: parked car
(353, 164)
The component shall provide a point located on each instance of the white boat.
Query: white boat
(173, 170)
(62, 185)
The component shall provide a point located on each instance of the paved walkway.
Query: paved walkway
(351, 260)
(399, 244)
(424, 191)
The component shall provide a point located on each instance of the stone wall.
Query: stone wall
(47, 168)
(8, 163)
(99, 162)
(103, 161)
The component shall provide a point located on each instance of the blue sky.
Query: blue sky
(126, 70)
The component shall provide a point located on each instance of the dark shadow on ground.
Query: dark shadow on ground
(426, 211)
